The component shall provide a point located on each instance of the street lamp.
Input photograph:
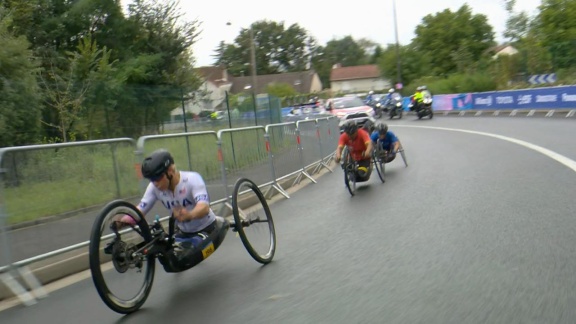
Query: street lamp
(398, 66)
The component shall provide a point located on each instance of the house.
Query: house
(504, 49)
(211, 95)
(302, 82)
(359, 78)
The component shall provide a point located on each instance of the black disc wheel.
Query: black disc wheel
(122, 277)
(253, 221)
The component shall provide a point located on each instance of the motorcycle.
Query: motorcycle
(377, 107)
(394, 106)
(425, 108)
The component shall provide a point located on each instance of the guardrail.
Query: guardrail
(267, 155)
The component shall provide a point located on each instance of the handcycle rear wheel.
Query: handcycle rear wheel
(253, 221)
(122, 280)
(349, 167)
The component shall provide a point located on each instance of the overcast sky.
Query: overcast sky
(327, 20)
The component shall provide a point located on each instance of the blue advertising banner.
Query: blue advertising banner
(541, 98)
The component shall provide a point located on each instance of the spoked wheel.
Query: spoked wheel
(253, 220)
(122, 278)
(349, 172)
(378, 164)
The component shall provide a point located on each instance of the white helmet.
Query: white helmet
(371, 92)
(391, 90)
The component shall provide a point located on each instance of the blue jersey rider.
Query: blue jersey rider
(387, 141)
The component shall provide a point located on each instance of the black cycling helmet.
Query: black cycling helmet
(382, 129)
(368, 126)
(350, 127)
(156, 164)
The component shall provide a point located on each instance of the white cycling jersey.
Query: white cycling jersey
(188, 192)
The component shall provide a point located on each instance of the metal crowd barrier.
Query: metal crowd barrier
(266, 155)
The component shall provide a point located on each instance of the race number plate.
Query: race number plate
(208, 250)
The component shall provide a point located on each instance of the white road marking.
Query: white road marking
(551, 154)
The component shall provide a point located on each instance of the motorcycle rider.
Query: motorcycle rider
(425, 91)
(418, 97)
(368, 98)
(389, 96)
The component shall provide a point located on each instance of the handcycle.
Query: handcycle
(350, 167)
(122, 261)
(383, 154)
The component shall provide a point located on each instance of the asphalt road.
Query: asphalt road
(475, 230)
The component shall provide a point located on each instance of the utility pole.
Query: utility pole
(398, 65)
(253, 60)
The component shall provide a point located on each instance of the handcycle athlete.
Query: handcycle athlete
(360, 148)
(386, 142)
(121, 234)
(185, 195)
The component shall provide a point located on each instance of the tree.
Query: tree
(414, 64)
(555, 28)
(448, 35)
(517, 24)
(65, 90)
(322, 65)
(280, 90)
(19, 96)
(371, 48)
(160, 69)
(345, 51)
(277, 49)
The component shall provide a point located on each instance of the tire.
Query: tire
(121, 273)
(247, 191)
(380, 167)
(349, 172)
(400, 115)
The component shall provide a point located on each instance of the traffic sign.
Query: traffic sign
(542, 78)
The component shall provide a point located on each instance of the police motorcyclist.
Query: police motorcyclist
(368, 98)
(389, 97)
(418, 97)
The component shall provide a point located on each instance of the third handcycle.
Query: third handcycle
(122, 261)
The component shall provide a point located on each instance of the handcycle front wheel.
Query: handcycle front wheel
(253, 221)
(122, 279)
(379, 164)
(349, 167)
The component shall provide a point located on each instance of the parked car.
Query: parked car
(347, 108)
